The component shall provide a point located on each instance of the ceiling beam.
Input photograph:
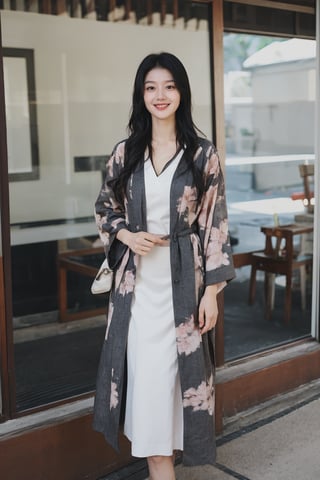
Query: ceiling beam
(292, 7)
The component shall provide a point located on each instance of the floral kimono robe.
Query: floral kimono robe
(200, 255)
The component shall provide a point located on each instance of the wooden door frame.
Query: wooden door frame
(217, 65)
(316, 239)
(6, 330)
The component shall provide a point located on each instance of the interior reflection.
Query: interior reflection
(269, 110)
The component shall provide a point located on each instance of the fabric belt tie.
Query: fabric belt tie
(176, 250)
(184, 232)
(181, 233)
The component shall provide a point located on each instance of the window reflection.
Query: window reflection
(269, 109)
(83, 80)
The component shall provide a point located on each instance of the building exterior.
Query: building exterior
(65, 85)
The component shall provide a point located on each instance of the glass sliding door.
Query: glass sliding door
(316, 247)
(67, 104)
(6, 373)
(270, 91)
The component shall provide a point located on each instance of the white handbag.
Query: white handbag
(103, 280)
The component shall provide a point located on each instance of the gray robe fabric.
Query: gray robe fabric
(200, 255)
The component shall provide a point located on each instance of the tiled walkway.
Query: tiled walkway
(284, 445)
(285, 448)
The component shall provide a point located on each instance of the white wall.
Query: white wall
(283, 83)
(280, 113)
(284, 107)
(284, 128)
(84, 73)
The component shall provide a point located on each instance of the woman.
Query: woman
(162, 217)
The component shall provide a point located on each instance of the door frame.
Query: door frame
(6, 330)
(316, 237)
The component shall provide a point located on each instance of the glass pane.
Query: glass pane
(269, 110)
(68, 101)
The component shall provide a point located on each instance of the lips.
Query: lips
(162, 106)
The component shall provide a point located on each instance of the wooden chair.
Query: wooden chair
(279, 258)
(307, 173)
(307, 196)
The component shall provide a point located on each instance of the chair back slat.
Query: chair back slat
(307, 175)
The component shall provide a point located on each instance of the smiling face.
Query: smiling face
(161, 96)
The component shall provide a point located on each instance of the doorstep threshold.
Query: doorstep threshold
(263, 360)
(47, 417)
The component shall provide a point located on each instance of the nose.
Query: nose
(160, 93)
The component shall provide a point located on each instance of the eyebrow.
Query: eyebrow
(154, 81)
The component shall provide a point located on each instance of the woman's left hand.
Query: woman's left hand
(208, 309)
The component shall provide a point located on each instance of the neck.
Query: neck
(163, 132)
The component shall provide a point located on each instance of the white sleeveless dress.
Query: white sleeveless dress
(153, 418)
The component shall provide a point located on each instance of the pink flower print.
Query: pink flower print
(213, 164)
(125, 202)
(104, 236)
(109, 318)
(196, 155)
(120, 152)
(118, 276)
(198, 260)
(188, 200)
(115, 222)
(209, 151)
(215, 257)
(116, 158)
(113, 203)
(198, 264)
(109, 166)
(188, 337)
(114, 395)
(201, 398)
(130, 182)
(127, 284)
(207, 206)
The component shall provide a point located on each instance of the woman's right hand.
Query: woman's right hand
(140, 243)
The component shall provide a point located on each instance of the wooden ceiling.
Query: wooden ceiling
(302, 6)
(271, 17)
(294, 18)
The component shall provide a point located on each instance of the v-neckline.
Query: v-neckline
(166, 165)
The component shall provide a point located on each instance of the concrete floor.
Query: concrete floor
(287, 448)
(276, 440)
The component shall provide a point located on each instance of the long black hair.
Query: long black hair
(140, 123)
